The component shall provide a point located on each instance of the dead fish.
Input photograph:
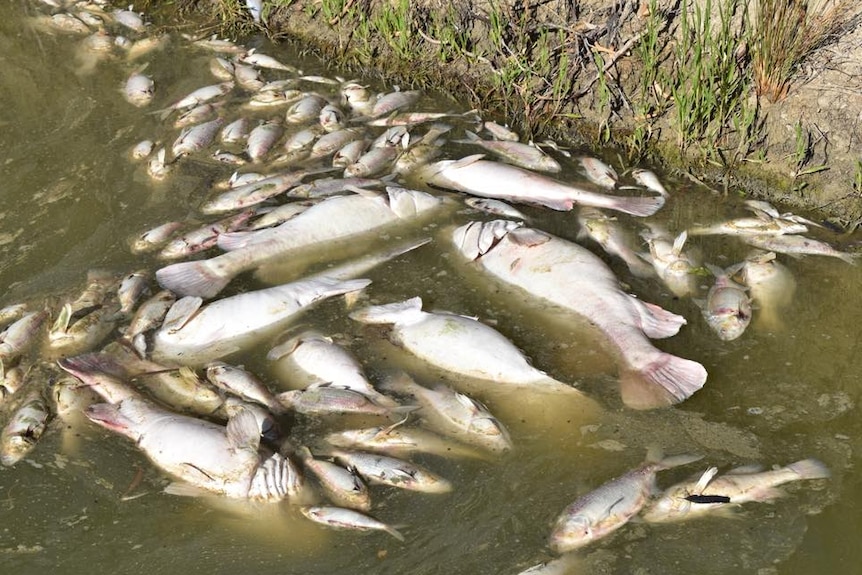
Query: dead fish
(154, 238)
(132, 287)
(711, 495)
(306, 109)
(727, 309)
(401, 441)
(501, 132)
(515, 153)
(139, 89)
(255, 58)
(388, 103)
(340, 485)
(497, 180)
(384, 470)
(142, 149)
(340, 518)
(332, 400)
(599, 172)
(454, 414)
(650, 181)
(262, 138)
(796, 246)
(243, 384)
(20, 335)
(199, 96)
(770, 284)
(204, 237)
(496, 208)
(609, 507)
(608, 232)
(157, 167)
(236, 131)
(24, 428)
(196, 138)
(674, 266)
(562, 273)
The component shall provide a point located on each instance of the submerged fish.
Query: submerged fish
(340, 518)
(613, 238)
(563, 273)
(796, 246)
(711, 495)
(384, 470)
(24, 428)
(771, 285)
(673, 265)
(727, 309)
(515, 153)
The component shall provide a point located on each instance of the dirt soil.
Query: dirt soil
(822, 112)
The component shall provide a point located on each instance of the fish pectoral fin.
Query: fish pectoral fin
(704, 480)
(185, 490)
(243, 431)
(529, 237)
(181, 312)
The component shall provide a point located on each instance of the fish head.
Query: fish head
(14, 448)
(572, 533)
(730, 323)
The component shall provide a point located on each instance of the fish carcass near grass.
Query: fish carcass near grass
(488, 179)
(727, 309)
(573, 278)
(335, 218)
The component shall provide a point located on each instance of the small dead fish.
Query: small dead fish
(329, 400)
(24, 428)
(262, 138)
(306, 109)
(331, 118)
(388, 103)
(157, 168)
(609, 507)
(11, 380)
(150, 314)
(515, 153)
(342, 486)
(131, 20)
(154, 238)
(222, 68)
(236, 131)
(599, 172)
(650, 181)
(142, 149)
(197, 115)
(204, 237)
(279, 215)
(358, 98)
(397, 440)
(384, 470)
(340, 518)
(761, 225)
(18, 337)
(349, 153)
(248, 77)
(131, 289)
(196, 138)
(613, 238)
(373, 162)
(501, 132)
(199, 96)
(674, 266)
(243, 384)
(263, 61)
(711, 495)
(796, 246)
(139, 90)
(728, 308)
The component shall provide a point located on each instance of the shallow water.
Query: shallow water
(72, 198)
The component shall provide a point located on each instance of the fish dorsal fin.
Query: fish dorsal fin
(283, 349)
(243, 431)
(61, 324)
(679, 242)
(529, 237)
(704, 480)
(464, 162)
(181, 312)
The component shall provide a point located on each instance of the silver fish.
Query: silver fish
(255, 58)
(515, 153)
(262, 138)
(340, 518)
(341, 486)
(131, 289)
(243, 384)
(20, 336)
(208, 457)
(149, 315)
(771, 286)
(334, 218)
(607, 231)
(332, 400)
(195, 334)
(384, 470)
(196, 138)
(599, 172)
(454, 414)
(496, 208)
(673, 265)
(24, 428)
(248, 77)
(798, 246)
(691, 499)
(728, 308)
(500, 132)
(204, 237)
(157, 167)
(199, 96)
(306, 109)
(236, 131)
(349, 153)
(139, 90)
(280, 214)
(397, 440)
(388, 103)
(142, 149)
(606, 509)
(571, 277)
(497, 180)
(650, 181)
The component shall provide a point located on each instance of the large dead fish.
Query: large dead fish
(333, 219)
(205, 456)
(487, 179)
(567, 275)
(194, 334)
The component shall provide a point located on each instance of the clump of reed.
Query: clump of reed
(786, 33)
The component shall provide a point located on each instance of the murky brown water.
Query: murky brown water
(70, 200)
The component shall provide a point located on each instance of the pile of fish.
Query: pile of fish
(334, 176)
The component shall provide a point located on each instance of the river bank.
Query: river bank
(712, 90)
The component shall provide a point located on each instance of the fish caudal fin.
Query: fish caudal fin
(198, 278)
(810, 469)
(656, 322)
(399, 312)
(665, 381)
(636, 205)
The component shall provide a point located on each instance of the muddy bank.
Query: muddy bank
(677, 83)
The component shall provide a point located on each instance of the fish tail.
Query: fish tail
(851, 259)
(637, 206)
(85, 366)
(810, 469)
(667, 380)
(198, 278)
(389, 313)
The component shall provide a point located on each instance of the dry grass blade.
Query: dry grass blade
(786, 33)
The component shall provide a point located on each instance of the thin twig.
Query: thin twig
(625, 48)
